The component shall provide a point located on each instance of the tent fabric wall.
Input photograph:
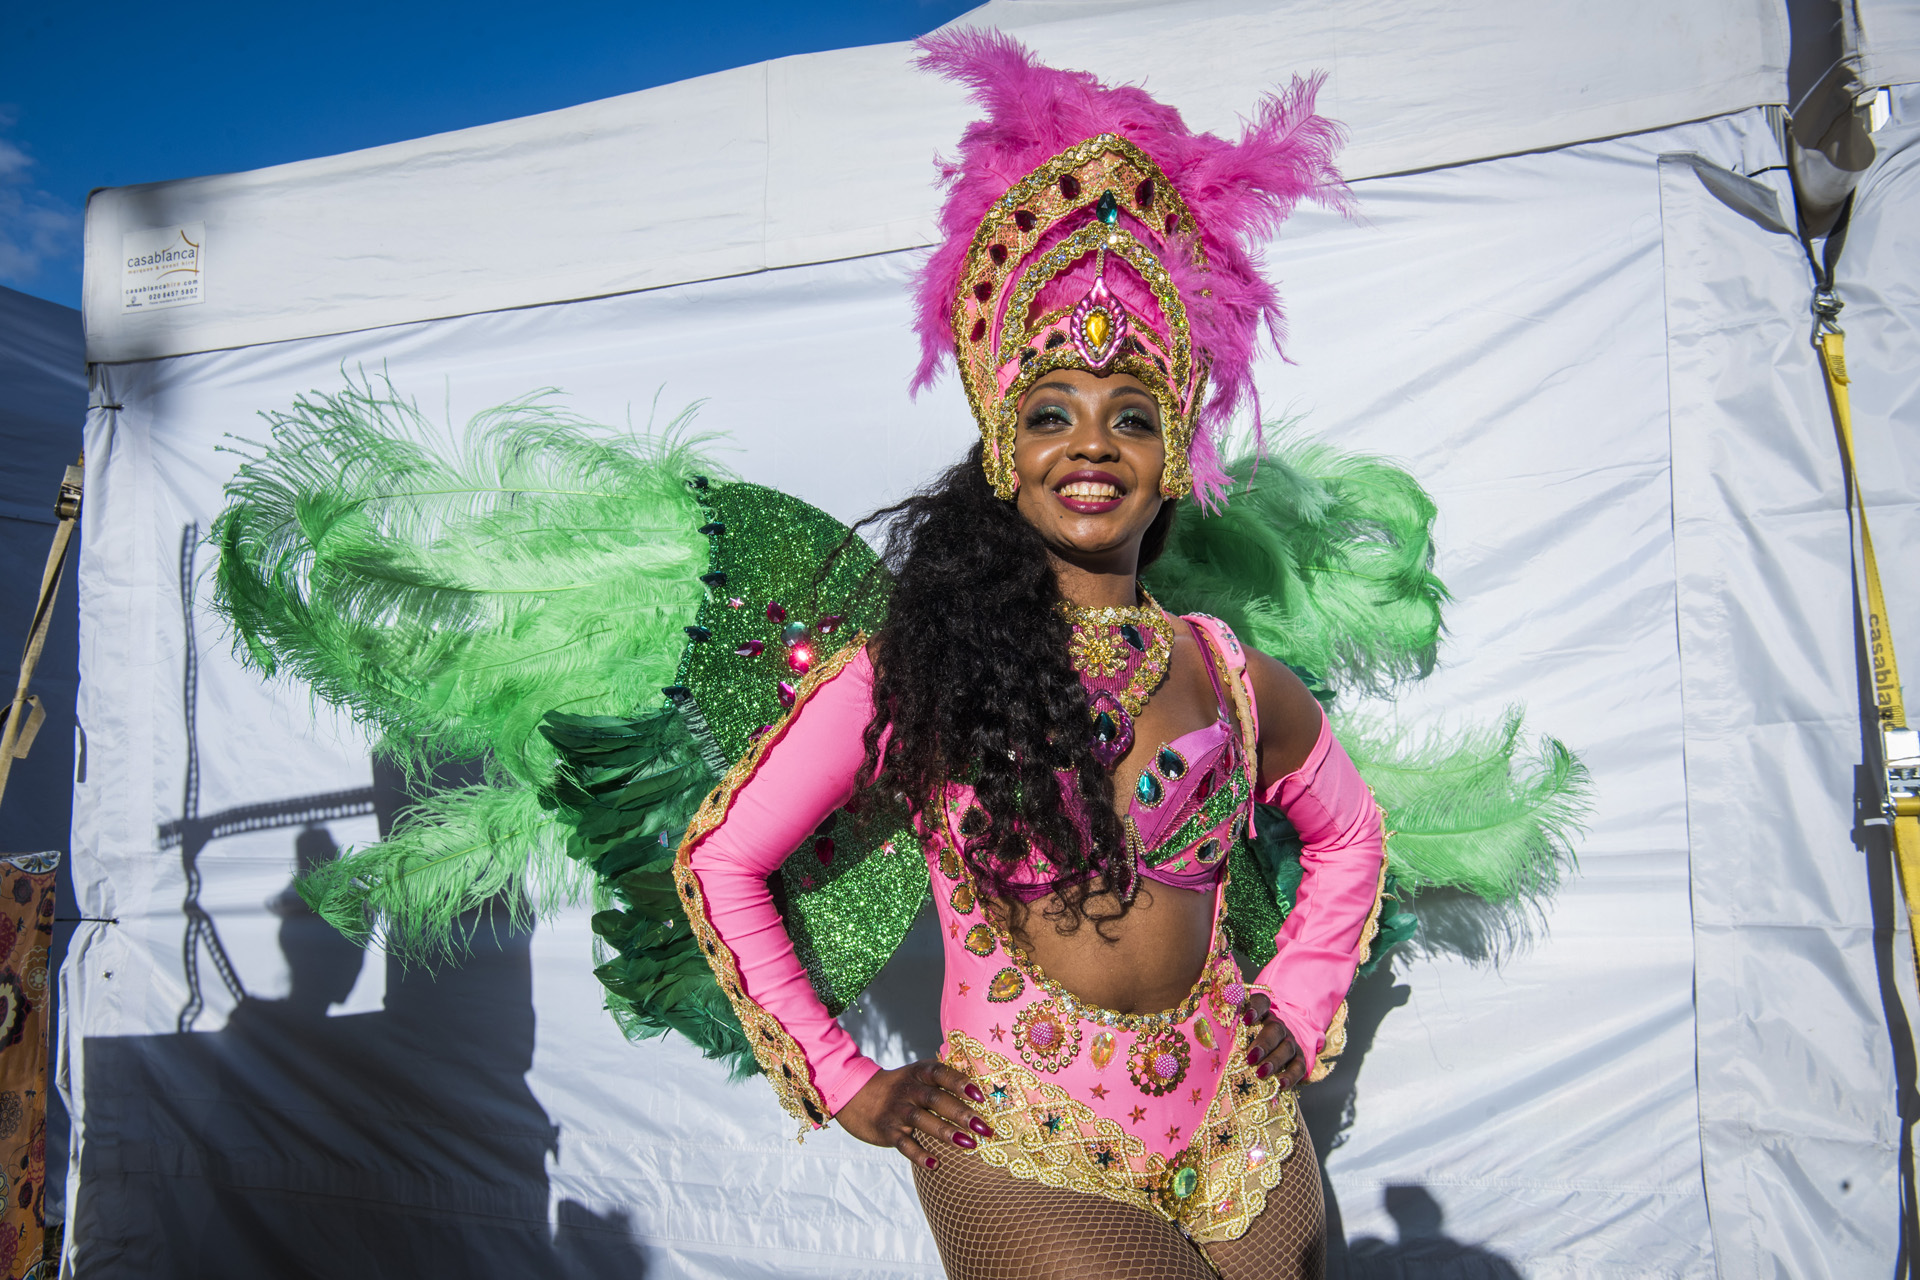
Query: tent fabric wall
(1682, 1064)
(826, 156)
(1532, 336)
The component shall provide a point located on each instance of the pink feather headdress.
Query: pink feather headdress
(1088, 227)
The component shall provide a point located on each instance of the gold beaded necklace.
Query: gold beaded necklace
(1104, 643)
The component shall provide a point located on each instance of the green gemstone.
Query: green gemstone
(1149, 790)
(1104, 727)
(1170, 764)
(1185, 1182)
(1108, 208)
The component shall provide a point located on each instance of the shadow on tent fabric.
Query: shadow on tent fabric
(293, 1144)
(1423, 1251)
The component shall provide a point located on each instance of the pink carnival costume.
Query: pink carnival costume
(1087, 228)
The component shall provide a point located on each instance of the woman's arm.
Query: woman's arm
(802, 770)
(1304, 771)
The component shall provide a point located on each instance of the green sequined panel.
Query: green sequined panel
(850, 891)
(1264, 880)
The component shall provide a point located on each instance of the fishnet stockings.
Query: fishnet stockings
(992, 1226)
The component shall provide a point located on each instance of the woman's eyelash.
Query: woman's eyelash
(1048, 414)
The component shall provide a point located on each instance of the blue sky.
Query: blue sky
(110, 94)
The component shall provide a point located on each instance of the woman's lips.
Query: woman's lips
(1089, 492)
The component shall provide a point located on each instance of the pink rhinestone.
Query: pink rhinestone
(828, 624)
(762, 729)
(787, 694)
(799, 658)
(823, 849)
(751, 649)
(775, 613)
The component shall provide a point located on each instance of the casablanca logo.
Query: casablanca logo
(163, 267)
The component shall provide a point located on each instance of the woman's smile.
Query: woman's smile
(1090, 492)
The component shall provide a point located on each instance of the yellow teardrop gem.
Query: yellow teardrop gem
(1099, 325)
(1103, 1049)
(1203, 1031)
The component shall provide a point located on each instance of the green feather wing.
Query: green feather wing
(1322, 559)
(450, 589)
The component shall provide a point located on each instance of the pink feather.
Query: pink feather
(1239, 193)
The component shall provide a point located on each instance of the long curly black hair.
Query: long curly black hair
(973, 675)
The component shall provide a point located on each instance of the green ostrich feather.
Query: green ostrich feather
(1466, 809)
(451, 596)
(450, 589)
(1320, 559)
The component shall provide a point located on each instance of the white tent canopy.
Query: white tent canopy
(1572, 306)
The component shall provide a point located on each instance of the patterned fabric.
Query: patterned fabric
(26, 927)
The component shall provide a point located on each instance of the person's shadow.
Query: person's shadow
(291, 1143)
(1423, 1249)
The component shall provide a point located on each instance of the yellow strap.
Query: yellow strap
(1886, 669)
(21, 719)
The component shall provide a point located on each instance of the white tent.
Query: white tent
(1572, 306)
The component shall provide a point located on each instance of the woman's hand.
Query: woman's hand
(1273, 1049)
(917, 1110)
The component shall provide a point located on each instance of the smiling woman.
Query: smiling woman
(1078, 761)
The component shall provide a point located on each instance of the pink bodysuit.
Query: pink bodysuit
(1158, 1110)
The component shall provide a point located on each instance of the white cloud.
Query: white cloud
(37, 228)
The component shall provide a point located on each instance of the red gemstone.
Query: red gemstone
(979, 329)
(774, 612)
(751, 649)
(823, 849)
(799, 658)
(998, 252)
(757, 732)
(1205, 788)
(1069, 186)
(1143, 194)
(983, 290)
(787, 694)
(1173, 220)
(1023, 219)
(828, 624)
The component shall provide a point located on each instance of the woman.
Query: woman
(1112, 1094)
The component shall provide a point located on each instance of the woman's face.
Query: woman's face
(1089, 451)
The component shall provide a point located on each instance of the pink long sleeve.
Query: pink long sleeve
(806, 772)
(1318, 948)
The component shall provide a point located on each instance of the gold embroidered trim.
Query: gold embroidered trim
(780, 1056)
(1212, 1189)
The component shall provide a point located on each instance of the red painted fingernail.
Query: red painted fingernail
(979, 1126)
(931, 1162)
(1253, 1055)
(1246, 1013)
(973, 1092)
(1265, 1070)
(964, 1140)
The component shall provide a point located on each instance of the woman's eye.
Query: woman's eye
(1139, 422)
(1048, 417)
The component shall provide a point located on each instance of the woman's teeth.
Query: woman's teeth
(1089, 490)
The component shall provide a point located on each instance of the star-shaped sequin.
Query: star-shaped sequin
(1196, 1095)
(1173, 1133)
(964, 989)
(1099, 1092)
(1137, 1114)
(999, 1033)
(1216, 1062)
(953, 928)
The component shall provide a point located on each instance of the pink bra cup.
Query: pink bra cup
(1187, 807)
